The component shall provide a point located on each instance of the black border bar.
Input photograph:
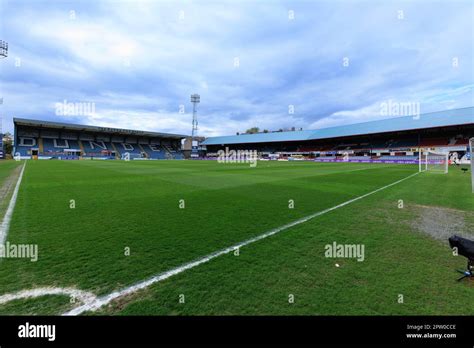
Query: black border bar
(243, 330)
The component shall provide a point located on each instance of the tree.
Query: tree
(252, 130)
(7, 143)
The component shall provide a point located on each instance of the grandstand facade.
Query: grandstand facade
(34, 139)
(390, 140)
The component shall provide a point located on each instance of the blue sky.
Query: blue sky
(139, 61)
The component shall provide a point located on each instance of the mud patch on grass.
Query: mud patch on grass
(441, 223)
(6, 189)
(121, 303)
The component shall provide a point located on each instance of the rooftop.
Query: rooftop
(445, 118)
(95, 129)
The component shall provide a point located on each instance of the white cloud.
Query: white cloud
(138, 61)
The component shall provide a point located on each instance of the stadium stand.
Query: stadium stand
(24, 150)
(48, 140)
(155, 151)
(401, 158)
(399, 143)
(379, 145)
(400, 137)
(360, 157)
(462, 141)
(395, 138)
(171, 149)
(133, 150)
(434, 142)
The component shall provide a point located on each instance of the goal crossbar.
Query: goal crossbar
(432, 161)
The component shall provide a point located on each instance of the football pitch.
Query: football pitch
(104, 226)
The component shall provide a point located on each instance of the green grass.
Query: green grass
(136, 205)
(6, 167)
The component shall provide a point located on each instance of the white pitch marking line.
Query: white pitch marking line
(83, 296)
(11, 206)
(101, 301)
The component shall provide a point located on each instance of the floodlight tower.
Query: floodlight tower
(195, 99)
(3, 49)
(3, 54)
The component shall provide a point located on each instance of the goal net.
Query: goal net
(436, 162)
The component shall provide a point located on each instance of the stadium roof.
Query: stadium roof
(95, 129)
(446, 118)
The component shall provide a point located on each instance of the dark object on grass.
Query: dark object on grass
(464, 169)
(465, 247)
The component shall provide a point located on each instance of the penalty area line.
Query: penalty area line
(11, 206)
(106, 299)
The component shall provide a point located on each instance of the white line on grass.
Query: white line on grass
(82, 296)
(11, 206)
(101, 301)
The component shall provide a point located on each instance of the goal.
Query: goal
(436, 162)
(471, 157)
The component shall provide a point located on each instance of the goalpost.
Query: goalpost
(436, 162)
(471, 152)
